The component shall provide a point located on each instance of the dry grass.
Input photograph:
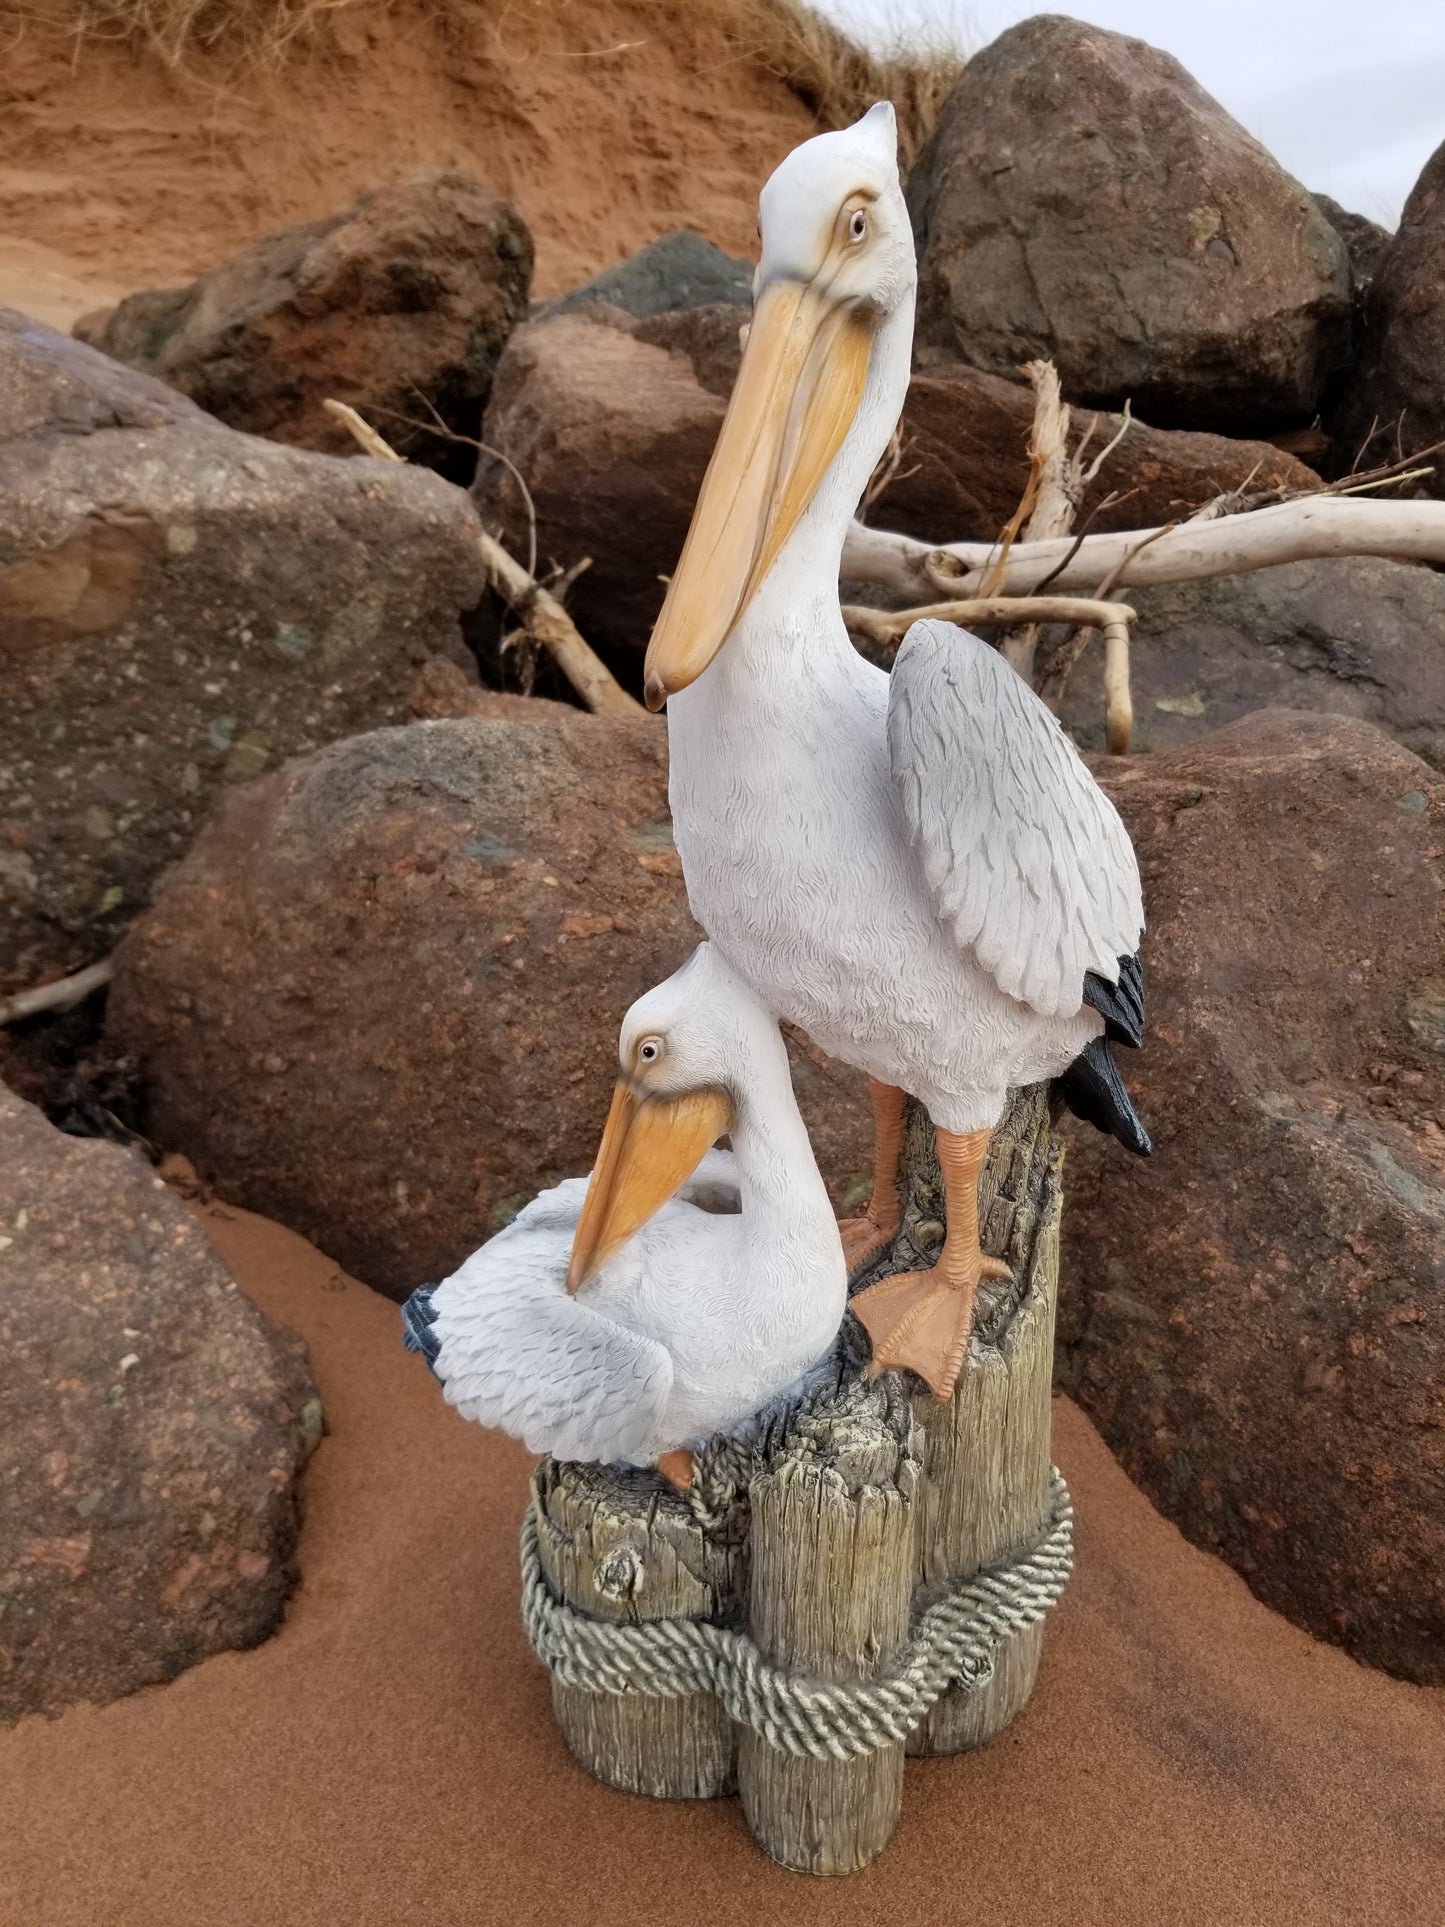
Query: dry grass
(823, 65)
(836, 76)
(261, 29)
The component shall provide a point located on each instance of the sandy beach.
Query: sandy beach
(1188, 1756)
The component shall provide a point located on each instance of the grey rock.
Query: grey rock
(1081, 197)
(403, 300)
(682, 270)
(1365, 240)
(1348, 636)
(181, 607)
(1394, 402)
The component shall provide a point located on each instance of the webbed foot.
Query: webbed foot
(863, 1239)
(920, 1321)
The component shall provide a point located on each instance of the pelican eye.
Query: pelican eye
(649, 1050)
(857, 224)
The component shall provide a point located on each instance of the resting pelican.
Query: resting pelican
(918, 870)
(628, 1317)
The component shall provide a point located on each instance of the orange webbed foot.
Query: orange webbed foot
(863, 1239)
(920, 1321)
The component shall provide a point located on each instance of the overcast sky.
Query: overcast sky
(1348, 94)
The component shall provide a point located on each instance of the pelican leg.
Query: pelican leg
(676, 1468)
(863, 1238)
(920, 1320)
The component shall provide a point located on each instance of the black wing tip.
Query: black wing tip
(1121, 1005)
(418, 1324)
(1094, 1091)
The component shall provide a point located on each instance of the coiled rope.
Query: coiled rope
(952, 1642)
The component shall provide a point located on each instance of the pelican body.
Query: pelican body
(917, 869)
(679, 1291)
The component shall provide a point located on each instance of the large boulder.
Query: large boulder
(1394, 402)
(612, 433)
(1352, 635)
(181, 606)
(152, 1429)
(610, 422)
(443, 692)
(380, 998)
(1082, 197)
(680, 271)
(404, 298)
(1255, 1317)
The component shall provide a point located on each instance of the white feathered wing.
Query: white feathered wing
(1025, 856)
(517, 1352)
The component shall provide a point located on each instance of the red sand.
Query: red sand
(608, 122)
(1188, 1757)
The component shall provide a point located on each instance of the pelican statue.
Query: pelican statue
(681, 1290)
(918, 869)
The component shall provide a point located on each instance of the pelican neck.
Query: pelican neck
(778, 1175)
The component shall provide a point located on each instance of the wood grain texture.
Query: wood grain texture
(984, 1490)
(619, 1546)
(832, 1526)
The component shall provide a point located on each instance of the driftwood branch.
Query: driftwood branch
(1118, 696)
(1051, 675)
(437, 426)
(1087, 475)
(1303, 530)
(1112, 618)
(63, 994)
(1051, 498)
(541, 614)
(362, 432)
(1045, 507)
(889, 627)
(1057, 496)
(550, 626)
(1059, 490)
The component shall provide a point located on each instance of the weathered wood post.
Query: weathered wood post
(814, 1583)
(985, 1486)
(621, 1547)
(832, 1581)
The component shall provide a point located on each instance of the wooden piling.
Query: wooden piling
(829, 1533)
(832, 1576)
(621, 1547)
(985, 1484)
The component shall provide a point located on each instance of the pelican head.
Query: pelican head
(837, 261)
(684, 1057)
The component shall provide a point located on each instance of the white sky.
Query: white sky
(1349, 95)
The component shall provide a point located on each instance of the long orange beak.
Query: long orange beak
(650, 1146)
(795, 398)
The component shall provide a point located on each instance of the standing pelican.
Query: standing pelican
(628, 1318)
(918, 870)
